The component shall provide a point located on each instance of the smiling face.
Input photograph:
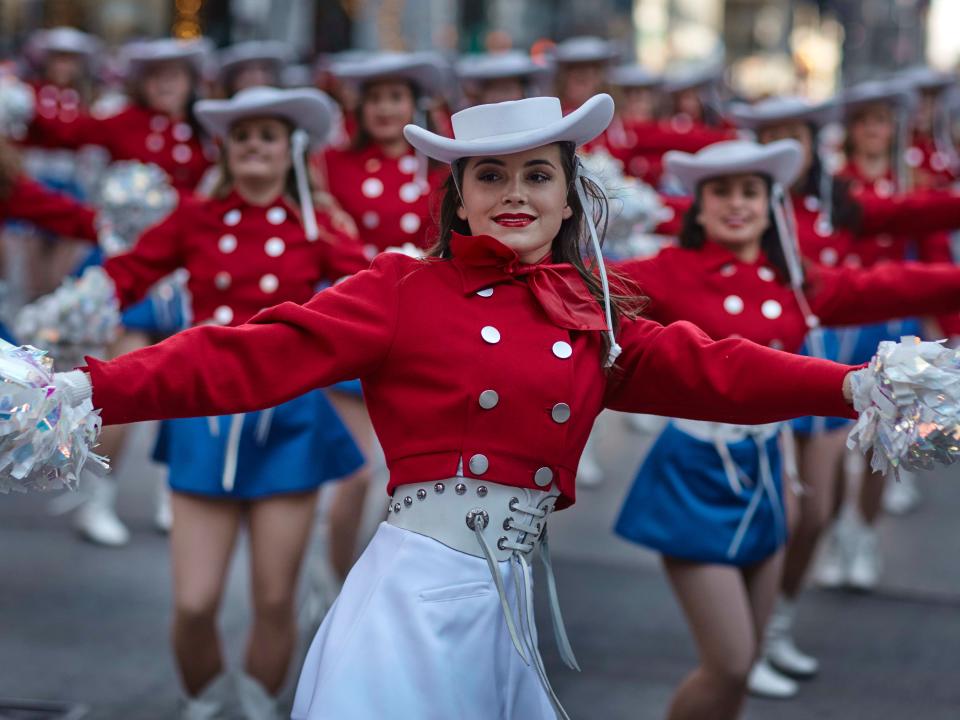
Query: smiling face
(871, 130)
(166, 87)
(519, 199)
(258, 150)
(385, 108)
(734, 210)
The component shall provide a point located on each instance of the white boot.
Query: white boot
(766, 682)
(589, 472)
(831, 568)
(162, 510)
(779, 647)
(255, 702)
(865, 562)
(903, 496)
(96, 519)
(209, 704)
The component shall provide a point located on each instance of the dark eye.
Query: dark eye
(241, 136)
(488, 176)
(267, 135)
(540, 177)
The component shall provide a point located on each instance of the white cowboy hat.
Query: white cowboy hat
(634, 76)
(64, 40)
(695, 75)
(268, 51)
(780, 161)
(893, 92)
(423, 69)
(774, 111)
(139, 54)
(495, 66)
(512, 127)
(306, 108)
(584, 49)
(927, 79)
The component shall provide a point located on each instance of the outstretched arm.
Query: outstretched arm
(52, 211)
(888, 290)
(915, 213)
(343, 332)
(679, 371)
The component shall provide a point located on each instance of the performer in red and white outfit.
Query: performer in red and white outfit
(498, 77)
(248, 246)
(709, 496)
(157, 126)
(497, 351)
(378, 179)
(251, 64)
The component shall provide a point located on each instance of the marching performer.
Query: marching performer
(709, 496)
(497, 77)
(379, 180)
(500, 351)
(251, 64)
(249, 246)
(158, 126)
(581, 68)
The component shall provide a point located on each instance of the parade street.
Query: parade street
(88, 626)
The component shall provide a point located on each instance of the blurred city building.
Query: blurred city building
(771, 46)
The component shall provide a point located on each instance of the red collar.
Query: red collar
(484, 261)
(714, 256)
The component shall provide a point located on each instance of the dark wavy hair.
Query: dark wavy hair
(626, 298)
(9, 168)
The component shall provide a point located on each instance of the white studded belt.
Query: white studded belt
(498, 523)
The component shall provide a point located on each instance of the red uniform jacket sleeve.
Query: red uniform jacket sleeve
(344, 332)
(52, 211)
(83, 130)
(156, 254)
(679, 371)
(912, 214)
(888, 290)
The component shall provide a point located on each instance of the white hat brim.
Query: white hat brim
(579, 127)
(305, 108)
(781, 161)
(753, 117)
(254, 51)
(418, 68)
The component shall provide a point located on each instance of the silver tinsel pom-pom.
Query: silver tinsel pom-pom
(17, 105)
(909, 404)
(79, 318)
(44, 440)
(635, 208)
(133, 196)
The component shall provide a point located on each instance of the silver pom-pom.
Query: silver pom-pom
(635, 208)
(79, 318)
(133, 196)
(44, 439)
(909, 404)
(17, 105)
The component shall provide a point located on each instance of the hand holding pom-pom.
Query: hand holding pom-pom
(909, 404)
(47, 422)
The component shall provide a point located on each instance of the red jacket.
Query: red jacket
(133, 134)
(241, 258)
(56, 105)
(382, 195)
(49, 210)
(726, 297)
(427, 337)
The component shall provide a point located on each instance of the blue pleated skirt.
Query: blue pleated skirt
(683, 506)
(294, 448)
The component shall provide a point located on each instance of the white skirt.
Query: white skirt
(418, 634)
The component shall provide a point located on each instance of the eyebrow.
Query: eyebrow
(501, 163)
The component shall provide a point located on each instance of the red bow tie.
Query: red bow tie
(558, 287)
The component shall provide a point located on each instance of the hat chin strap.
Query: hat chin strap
(299, 142)
(782, 208)
(580, 183)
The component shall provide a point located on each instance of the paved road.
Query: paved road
(87, 625)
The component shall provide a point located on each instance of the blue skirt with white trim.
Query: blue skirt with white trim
(682, 504)
(291, 448)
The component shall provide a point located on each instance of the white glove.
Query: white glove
(74, 387)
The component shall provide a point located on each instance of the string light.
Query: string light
(186, 24)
